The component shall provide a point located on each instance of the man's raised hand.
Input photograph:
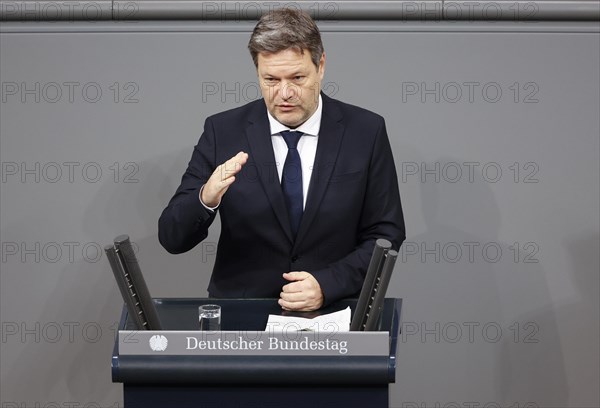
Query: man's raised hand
(221, 179)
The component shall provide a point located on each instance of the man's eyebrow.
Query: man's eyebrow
(294, 74)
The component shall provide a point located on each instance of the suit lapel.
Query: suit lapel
(258, 133)
(328, 147)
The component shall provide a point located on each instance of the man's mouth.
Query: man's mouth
(286, 107)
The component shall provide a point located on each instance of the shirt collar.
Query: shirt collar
(311, 127)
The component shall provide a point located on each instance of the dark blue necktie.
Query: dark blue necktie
(291, 179)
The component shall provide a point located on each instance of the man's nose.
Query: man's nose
(288, 90)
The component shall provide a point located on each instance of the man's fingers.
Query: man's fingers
(296, 276)
(213, 191)
(222, 178)
(302, 306)
(296, 286)
(292, 305)
(231, 167)
(303, 293)
(224, 184)
(292, 296)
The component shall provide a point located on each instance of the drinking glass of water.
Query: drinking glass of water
(210, 317)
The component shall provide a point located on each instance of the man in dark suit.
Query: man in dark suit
(304, 184)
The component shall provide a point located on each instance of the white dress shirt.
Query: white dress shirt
(307, 148)
(307, 145)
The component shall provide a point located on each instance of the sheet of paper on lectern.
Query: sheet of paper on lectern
(331, 322)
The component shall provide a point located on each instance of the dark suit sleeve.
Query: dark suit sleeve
(185, 221)
(381, 217)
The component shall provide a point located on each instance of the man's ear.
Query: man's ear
(322, 66)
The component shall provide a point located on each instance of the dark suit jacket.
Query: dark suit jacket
(353, 200)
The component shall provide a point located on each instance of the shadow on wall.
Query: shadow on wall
(74, 367)
(182, 275)
(579, 323)
(85, 293)
(465, 297)
(530, 360)
(446, 294)
(580, 319)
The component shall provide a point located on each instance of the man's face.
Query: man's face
(290, 84)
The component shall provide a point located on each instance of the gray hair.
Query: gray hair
(283, 29)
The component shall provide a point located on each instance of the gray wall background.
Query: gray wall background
(499, 273)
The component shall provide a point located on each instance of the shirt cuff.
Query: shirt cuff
(204, 205)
